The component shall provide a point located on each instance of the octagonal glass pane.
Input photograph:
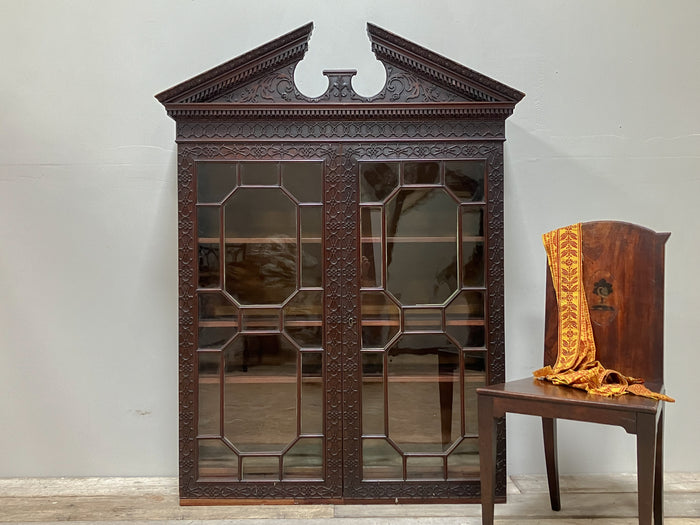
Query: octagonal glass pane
(424, 408)
(261, 245)
(260, 393)
(421, 240)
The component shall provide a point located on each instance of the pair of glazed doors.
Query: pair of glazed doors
(341, 326)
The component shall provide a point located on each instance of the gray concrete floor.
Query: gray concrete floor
(586, 499)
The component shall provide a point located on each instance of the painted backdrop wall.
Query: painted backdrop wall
(610, 128)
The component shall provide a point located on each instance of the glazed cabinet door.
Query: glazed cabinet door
(261, 350)
(422, 348)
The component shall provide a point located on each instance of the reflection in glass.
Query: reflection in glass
(259, 173)
(260, 371)
(312, 393)
(216, 307)
(373, 393)
(425, 468)
(261, 245)
(465, 318)
(474, 377)
(260, 468)
(380, 460)
(214, 336)
(423, 404)
(371, 233)
(473, 268)
(421, 173)
(304, 460)
(466, 179)
(311, 257)
(215, 180)
(380, 319)
(216, 460)
(377, 180)
(209, 367)
(463, 461)
(418, 273)
(304, 180)
(303, 318)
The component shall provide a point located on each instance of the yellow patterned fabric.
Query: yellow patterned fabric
(576, 364)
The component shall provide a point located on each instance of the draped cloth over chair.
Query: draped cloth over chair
(622, 277)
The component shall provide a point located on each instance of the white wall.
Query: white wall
(610, 128)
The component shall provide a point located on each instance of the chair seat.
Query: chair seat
(536, 389)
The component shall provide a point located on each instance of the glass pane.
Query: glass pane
(260, 319)
(463, 461)
(424, 393)
(261, 246)
(311, 245)
(380, 460)
(472, 224)
(425, 468)
(216, 460)
(466, 179)
(303, 318)
(215, 180)
(304, 180)
(474, 377)
(209, 366)
(304, 460)
(380, 319)
(378, 180)
(259, 173)
(261, 468)
(421, 173)
(216, 307)
(418, 273)
(373, 393)
(465, 318)
(473, 268)
(312, 393)
(371, 232)
(260, 393)
(422, 319)
(208, 234)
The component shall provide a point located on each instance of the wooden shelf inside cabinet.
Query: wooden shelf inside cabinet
(258, 240)
(367, 240)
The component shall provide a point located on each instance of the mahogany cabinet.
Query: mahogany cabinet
(341, 277)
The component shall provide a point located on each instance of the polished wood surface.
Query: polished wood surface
(627, 262)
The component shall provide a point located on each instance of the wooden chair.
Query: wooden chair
(628, 330)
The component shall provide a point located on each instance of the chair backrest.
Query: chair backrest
(623, 274)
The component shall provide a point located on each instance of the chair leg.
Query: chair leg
(646, 459)
(549, 431)
(659, 472)
(487, 457)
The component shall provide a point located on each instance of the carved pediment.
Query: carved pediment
(414, 75)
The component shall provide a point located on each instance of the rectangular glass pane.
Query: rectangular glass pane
(312, 393)
(215, 180)
(474, 377)
(260, 319)
(473, 264)
(421, 172)
(472, 223)
(260, 468)
(311, 246)
(422, 319)
(373, 393)
(208, 238)
(425, 468)
(259, 173)
(209, 412)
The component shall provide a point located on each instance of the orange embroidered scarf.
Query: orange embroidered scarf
(576, 363)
